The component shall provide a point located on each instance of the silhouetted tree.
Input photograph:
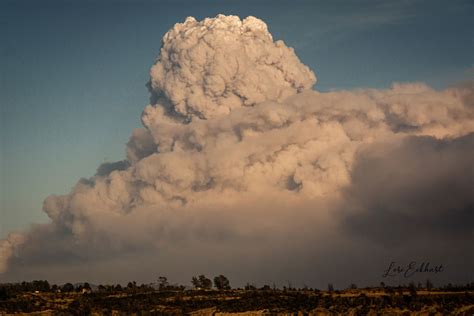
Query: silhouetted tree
(330, 287)
(163, 283)
(221, 283)
(266, 287)
(36, 285)
(132, 286)
(201, 282)
(68, 287)
(205, 282)
(195, 282)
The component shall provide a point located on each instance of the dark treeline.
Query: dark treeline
(201, 282)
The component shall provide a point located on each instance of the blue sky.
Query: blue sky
(73, 74)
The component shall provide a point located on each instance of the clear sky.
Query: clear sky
(73, 74)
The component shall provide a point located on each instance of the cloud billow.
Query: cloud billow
(238, 156)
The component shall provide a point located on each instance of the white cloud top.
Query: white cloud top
(214, 66)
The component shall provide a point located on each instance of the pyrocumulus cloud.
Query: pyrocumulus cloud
(241, 167)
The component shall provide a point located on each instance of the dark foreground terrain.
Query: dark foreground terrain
(372, 301)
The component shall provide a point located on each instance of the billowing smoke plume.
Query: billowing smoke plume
(210, 68)
(7, 248)
(242, 168)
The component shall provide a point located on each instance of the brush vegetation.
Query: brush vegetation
(163, 298)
